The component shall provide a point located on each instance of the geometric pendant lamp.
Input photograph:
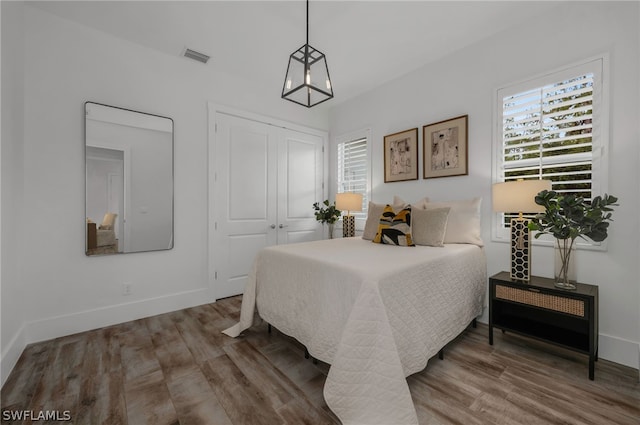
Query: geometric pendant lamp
(307, 82)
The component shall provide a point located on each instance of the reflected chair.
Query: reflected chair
(102, 240)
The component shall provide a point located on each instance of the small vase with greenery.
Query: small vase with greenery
(327, 214)
(567, 217)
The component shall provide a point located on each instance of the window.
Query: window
(353, 169)
(553, 128)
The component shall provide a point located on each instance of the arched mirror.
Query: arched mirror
(129, 180)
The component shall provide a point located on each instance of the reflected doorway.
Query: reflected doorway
(106, 194)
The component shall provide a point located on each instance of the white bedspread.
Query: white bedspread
(375, 312)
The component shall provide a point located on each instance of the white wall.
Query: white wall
(49, 287)
(13, 303)
(465, 83)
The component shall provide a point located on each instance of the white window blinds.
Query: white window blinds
(548, 130)
(352, 170)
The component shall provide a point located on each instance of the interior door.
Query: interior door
(300, 175)
(115, 203)
(245, 182)
(266, 179)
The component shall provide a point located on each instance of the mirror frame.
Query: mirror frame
(85, 146)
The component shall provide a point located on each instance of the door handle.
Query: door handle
(282, 226)
(273, 226)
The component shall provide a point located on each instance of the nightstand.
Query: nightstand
(539, 310)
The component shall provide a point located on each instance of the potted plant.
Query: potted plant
(567, 217)
(327, 214)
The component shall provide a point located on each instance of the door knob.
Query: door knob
(282, 226)
(273, 226)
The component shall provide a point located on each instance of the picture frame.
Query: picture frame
(445, 148)
(401, 156)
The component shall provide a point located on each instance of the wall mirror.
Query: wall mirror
(129, 180)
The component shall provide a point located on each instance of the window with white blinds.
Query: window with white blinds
(554, 128)
(353, 170)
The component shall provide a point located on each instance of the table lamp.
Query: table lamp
(348, 201)
(519, 197)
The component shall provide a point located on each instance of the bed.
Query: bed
(376, 313)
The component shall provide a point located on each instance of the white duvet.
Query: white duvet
(376, 313)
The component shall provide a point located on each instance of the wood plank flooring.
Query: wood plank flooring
(177, 368)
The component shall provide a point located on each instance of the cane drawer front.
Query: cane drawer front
(536, 298)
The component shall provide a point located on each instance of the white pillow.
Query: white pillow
(398, 201)
(374, 211)
(428, 227)
(463, 223)
(108, 221)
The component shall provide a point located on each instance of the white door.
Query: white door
(266, 179)
(115, 202)
(300, 176)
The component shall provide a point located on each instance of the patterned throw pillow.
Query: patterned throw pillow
(395, 228)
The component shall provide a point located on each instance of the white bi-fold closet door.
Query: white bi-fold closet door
(265, 181)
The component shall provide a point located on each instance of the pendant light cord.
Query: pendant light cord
(307, 22)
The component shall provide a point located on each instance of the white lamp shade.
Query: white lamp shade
(348, 201)
(518, 196)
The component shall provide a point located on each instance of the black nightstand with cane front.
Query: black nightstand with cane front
(540, 310)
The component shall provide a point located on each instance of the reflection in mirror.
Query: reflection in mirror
(129, 180)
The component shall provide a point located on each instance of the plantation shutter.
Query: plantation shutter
(547, 130)
(352, 170)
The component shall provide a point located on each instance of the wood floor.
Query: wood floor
(177, 368)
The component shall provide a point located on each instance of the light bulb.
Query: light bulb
(308, 76)
(328, 84)
(288, 84)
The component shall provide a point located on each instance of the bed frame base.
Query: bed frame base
(307, 355)
(474, 324)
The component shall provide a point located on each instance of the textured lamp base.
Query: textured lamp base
(520, 250)
(348, 226)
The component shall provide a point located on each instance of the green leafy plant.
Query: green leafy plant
(327, 214)
(569, 216)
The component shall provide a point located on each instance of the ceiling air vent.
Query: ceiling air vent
(192, 54)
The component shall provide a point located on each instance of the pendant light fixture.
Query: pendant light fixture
(307, 82)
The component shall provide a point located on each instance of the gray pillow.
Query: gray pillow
(428, 227)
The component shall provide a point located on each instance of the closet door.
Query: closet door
(300, 176)
(245, 212)
(265, 181)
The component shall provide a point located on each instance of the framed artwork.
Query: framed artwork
(444, 146)
(401, 156)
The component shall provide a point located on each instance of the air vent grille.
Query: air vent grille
(192, 54)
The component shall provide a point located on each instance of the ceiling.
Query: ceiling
(367, 43)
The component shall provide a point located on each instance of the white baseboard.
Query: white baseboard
(619, 350)
(54, 327)
(11, 354)
(69, 324)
